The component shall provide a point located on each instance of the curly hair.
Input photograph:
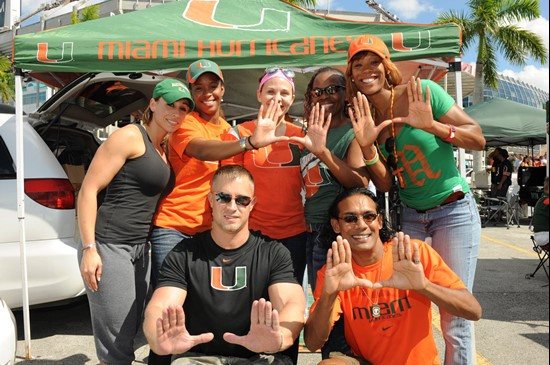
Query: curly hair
(393, 75)
(308, 98)
(328, 235)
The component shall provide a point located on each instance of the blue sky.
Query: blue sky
(425, 11)
(419, 11)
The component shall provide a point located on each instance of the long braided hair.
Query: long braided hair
(308, 102)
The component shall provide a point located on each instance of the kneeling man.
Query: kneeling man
(227, 295)
(383, 287)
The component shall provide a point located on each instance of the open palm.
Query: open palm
(364, 127)
(317, 129)
(339, 274)
(172, 335)
(264, 334)
(420, 110)
(407, 267)
(266, 125)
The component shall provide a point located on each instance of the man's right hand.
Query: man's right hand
(172, 336)
(339, 272)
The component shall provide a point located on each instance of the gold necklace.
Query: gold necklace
(375, 308)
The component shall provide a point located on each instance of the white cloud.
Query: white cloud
(410, 9)
(323, 4)
(538, 26)
(532, 75)
(28, 6)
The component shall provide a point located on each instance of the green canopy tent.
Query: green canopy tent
(251, 35)
(506, 123)
(241, 39)
(260, 33)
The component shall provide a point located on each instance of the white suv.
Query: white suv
(57, 139)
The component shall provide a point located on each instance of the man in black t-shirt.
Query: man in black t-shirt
(504, 173)
(237, 288)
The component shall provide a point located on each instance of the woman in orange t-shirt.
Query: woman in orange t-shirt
(279, 212)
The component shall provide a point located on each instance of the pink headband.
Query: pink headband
(279, 74)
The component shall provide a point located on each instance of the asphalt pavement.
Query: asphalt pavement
(514, 328)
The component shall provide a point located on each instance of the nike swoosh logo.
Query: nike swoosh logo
(386, 328)
(226, 260)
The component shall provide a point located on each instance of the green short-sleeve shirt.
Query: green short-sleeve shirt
(428, 162)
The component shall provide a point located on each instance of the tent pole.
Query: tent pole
(457, 68)
(21, 207)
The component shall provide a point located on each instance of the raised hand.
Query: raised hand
(266, 125)
(172, 336)
(366, 131)
(264, 334)
(339, 272)
(407, 268)
(420, 110)
(317, 129)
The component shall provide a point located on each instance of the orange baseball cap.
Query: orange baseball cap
(370, 43)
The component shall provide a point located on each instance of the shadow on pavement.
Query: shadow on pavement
(68, 319)
(77, 359)
(540, 338)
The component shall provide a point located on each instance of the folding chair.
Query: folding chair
(493, 209)
(542, 253)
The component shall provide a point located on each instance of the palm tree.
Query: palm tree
(7, 88)
(489, 22)
(88, 13)
(303, 3)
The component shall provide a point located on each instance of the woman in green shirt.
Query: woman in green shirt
(417, 146)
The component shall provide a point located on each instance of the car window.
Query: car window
(7, 168)
(106, 98)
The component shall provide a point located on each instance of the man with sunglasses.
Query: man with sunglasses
(383, 286)
(228, 294)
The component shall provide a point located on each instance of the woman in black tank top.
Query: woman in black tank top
(132, 166)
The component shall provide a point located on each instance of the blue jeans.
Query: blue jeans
(316, 254)
(297, 247)
(163, 240)
(455, 229)
(316, 259)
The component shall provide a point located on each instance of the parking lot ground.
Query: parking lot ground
(514, 328)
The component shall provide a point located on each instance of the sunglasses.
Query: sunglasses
(240, 200)
(368, 217)
(287, 72)
(330, 90)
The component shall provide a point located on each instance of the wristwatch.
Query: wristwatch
(452, 132)
(242, 143)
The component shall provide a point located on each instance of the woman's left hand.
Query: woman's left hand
(420, 110)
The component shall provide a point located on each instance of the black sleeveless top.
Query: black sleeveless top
(132, 196)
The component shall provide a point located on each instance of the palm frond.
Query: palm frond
(512, 11)
(461, 19)
(490, 75)
(304, 3)
(518, 45)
